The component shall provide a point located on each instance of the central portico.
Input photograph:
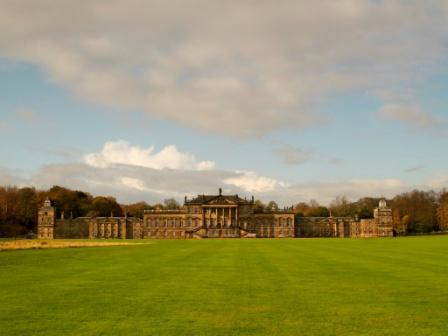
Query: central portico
(218, 211)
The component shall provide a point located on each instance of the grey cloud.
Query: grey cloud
(5, 127)
(414, 169)
(132, 183)
(414, 117)
(335, 161)
(292, 155)
(27, 115)
(10, 178)
(245, 68)
(63, 152)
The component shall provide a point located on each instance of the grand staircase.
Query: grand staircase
(202, 232)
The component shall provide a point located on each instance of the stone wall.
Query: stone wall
(175, 224)
(97, 227)
(341, 227)
(326, 227)
(71, 228)
(315, 227)
(270, 224)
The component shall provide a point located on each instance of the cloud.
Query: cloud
(414, 169)
(5, 127)
(249, 181)
(120, 152)
(10, 178)
(411, 115)
(234, 68)
(27, 115)
(292, 155)
(335, 161)
(135, 183)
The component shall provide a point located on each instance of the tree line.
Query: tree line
(19, 206)
(413, 212)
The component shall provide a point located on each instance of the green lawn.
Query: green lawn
(229, 287)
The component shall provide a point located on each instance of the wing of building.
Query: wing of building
(213, 216)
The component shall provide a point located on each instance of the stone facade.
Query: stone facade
(45, 220)
(213, 216)
(218, 216)
(379, 226)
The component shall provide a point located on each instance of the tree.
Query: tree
(310, 209)
(171, 204)
(27, 207)
(136, 209)
(421, 208)
(319, 211)
(71, 202)
(442, 211)
(259, 205)
(272, 205)
(104, 207)
(301, 209)
(341, 207)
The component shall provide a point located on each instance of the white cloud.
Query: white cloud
(251, 182)
(227, 67)
(136, 183)
(325, 191)
(120, 152)
(133, 183)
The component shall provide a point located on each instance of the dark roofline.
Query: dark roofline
(204, 199)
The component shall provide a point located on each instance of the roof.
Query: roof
(217, 200)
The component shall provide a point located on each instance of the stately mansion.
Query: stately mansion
(213, 216)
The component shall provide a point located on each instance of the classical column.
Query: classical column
(216, 217)
(109, 230)
(226, 218)
(209, 210)
(236, 217)
(230, 217)
(115, 230)
(123, 230)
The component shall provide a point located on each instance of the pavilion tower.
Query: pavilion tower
(45, 221)
(383, 216)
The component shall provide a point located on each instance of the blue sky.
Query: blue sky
(289, 108)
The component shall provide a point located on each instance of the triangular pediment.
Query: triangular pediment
(222, 200)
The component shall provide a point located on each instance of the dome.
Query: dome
(382, 204)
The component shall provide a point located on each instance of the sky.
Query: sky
(287, 101)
